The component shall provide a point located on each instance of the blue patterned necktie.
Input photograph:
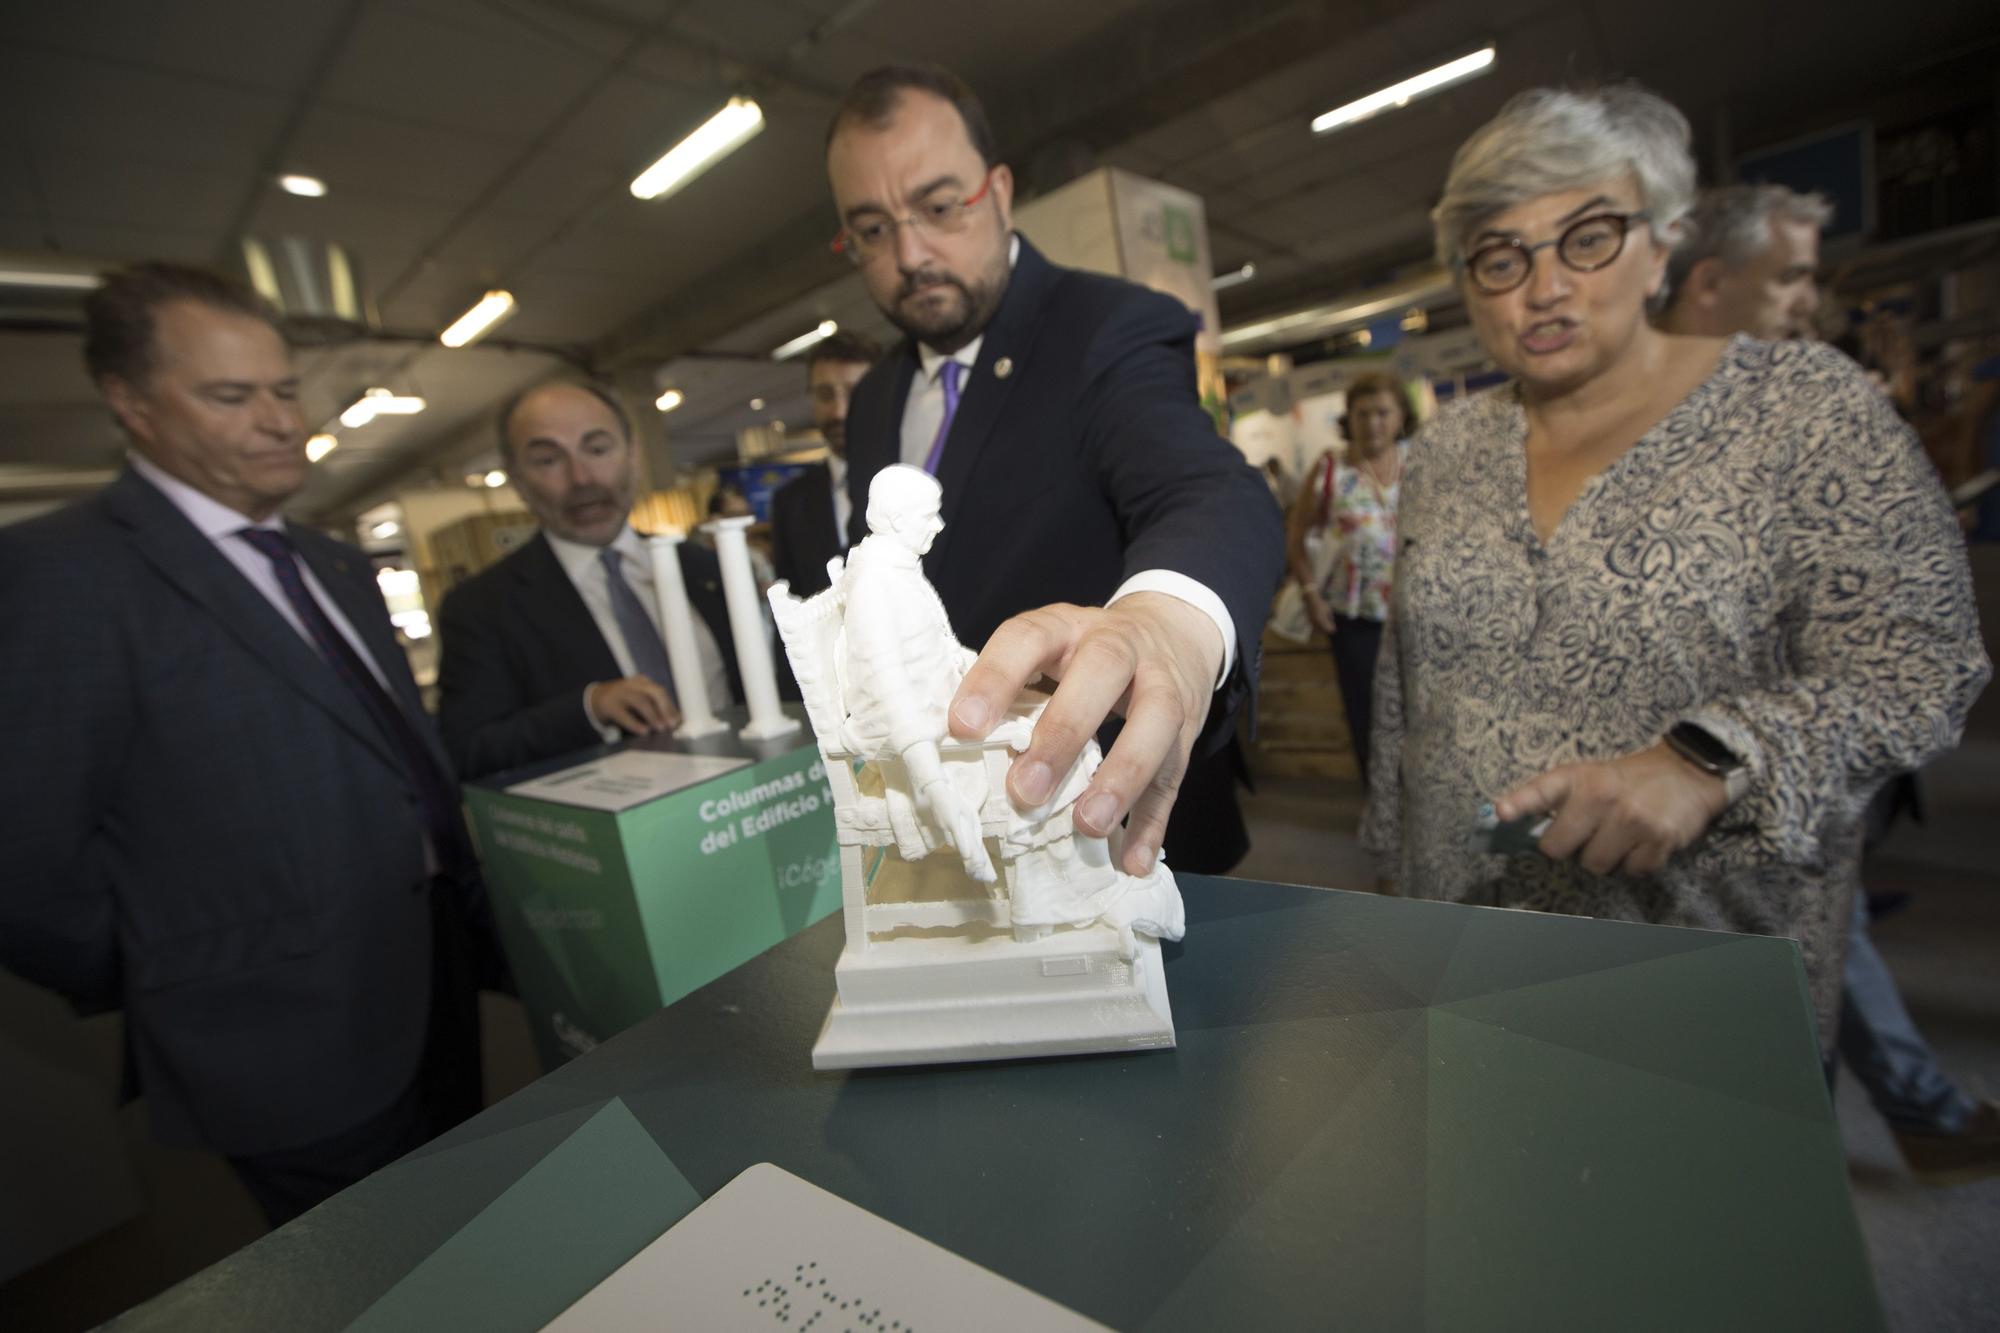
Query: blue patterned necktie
(434, 788)
(642, 637)
(949, 373)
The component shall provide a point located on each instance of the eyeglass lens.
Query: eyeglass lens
(1584, 246)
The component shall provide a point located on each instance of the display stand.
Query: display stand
(609, 913)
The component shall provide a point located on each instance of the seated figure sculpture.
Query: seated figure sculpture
(900, 664)
(878, 664)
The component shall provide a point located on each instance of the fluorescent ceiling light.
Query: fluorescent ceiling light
(62, 282)
(379, 403)
(827, 328)
(477, 322)
(1233, 277)
(307, 187)
(319, 446)
(670, 400)
(388, 527)
(1406, 92)
(496, 479)
(720, 135)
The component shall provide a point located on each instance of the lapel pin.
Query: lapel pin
(1004, 367)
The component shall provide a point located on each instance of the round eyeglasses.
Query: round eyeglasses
(874, 234)
(1586, 245)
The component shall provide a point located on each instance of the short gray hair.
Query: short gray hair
(1733, 223)
(1548, 140)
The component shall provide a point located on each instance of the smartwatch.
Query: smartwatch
(1700, 748)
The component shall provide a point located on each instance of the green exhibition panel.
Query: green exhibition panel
(1381, 1114)
(614, 898)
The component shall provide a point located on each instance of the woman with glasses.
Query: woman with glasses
(1668, 608)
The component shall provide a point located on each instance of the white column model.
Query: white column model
(677, 623)
(746, 624)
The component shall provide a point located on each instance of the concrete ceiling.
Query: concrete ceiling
(477, 143)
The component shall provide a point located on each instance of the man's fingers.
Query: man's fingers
(624, 715)
(1146, 827)
(1150, 753)
(1098, 675)
(1020, 650)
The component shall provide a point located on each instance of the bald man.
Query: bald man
(558, 647)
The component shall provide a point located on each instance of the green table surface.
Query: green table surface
(1382, 1114)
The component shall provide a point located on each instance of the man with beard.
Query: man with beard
(1750, 264)
(1097, 530)
(809, 517)
(558, 647)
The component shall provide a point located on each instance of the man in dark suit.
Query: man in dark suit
(558, 647)
(1058, 411)
(227, 812)
(809, 517)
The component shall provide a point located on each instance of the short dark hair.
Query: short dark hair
(1382, 382)
(118, 316)
(873, 100)
(597, 389)
(845, 347)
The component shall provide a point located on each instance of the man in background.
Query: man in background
(1749, 267)
(1097, 529)
(1750, 264)
(810, 516)
(228, 814)
(558, 647)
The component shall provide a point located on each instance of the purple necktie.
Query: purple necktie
(950, 372)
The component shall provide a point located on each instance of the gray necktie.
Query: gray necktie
(642, 640)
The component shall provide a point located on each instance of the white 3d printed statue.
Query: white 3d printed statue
(1020, 936)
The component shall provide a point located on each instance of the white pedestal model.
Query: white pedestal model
(975, 931)
(746, 625)
(677, 625)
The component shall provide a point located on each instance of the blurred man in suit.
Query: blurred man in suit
(1097, 529)
(558, 647)
(809, 517)
(229, 815)
(1750, 264)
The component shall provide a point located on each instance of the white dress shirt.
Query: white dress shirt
(586, 571)
(843, 503)
(923, 413)
(222, 526)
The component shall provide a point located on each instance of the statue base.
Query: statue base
(936, 999)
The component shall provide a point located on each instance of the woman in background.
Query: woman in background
(1342, 541)
(1691, 600)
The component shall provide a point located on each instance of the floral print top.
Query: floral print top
(1774, 561)
(1360, 528)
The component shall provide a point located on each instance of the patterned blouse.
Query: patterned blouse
(1360, 528)
(1774, 561)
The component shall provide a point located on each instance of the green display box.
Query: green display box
(608, 915)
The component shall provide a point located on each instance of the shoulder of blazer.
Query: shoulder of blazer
(343, 558)
(803, 490)
(1081, 305)
(530, 569)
